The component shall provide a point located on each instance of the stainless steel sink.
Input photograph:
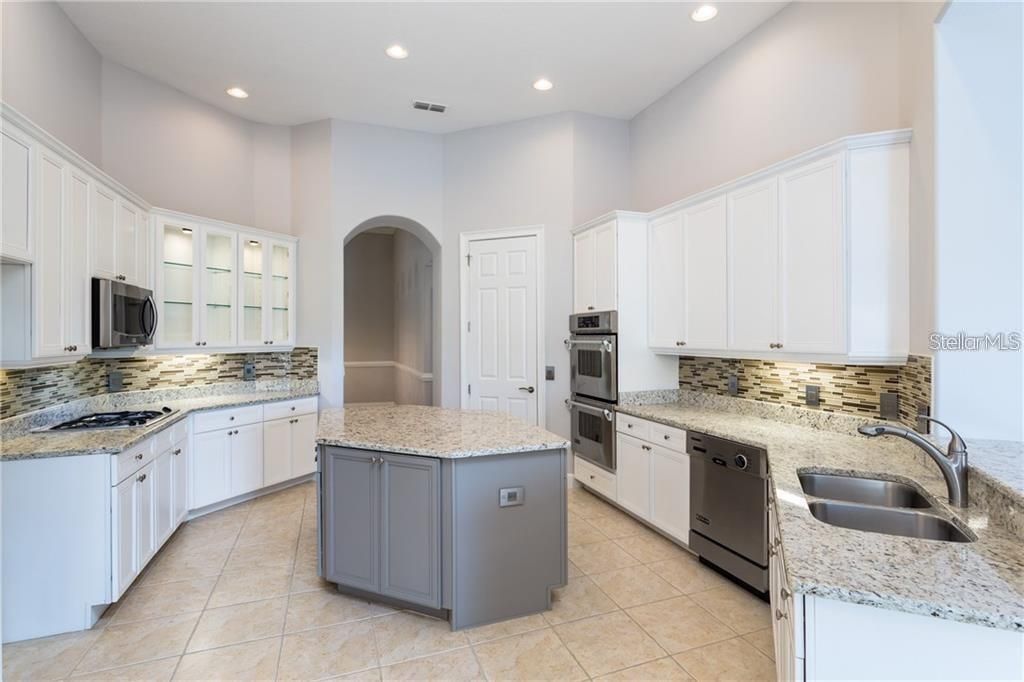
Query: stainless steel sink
(905, 522)
(863, 490)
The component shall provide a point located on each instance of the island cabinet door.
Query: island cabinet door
(411, 529)
(351, 518)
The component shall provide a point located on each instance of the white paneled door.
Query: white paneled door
(501, 335)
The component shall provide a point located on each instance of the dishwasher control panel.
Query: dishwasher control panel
(728, 453)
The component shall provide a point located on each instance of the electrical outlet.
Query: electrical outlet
(812, 395)
(549, 372)
(115, 381)
(889, 406)
(510, 497)
(923, 425)
(734, 385)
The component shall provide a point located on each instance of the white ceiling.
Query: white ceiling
(307, 62)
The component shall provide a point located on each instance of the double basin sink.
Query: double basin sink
(874, 505)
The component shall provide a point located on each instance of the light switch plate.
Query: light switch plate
(549, 372)
(510, 497)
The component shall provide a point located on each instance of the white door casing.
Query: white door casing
(501, 332)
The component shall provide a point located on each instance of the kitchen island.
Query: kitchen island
(458, 514)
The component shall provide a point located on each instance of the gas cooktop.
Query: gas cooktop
(113, 420)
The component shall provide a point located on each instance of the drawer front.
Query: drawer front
(223, 419)
(595, 478)
(289, 408)
(669, 437)
(132, 459)
(633, 426)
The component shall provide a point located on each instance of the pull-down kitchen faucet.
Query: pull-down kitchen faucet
(953, 462)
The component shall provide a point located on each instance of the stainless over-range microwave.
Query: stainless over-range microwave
(123, 316)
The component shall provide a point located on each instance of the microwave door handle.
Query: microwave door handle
(151, 304)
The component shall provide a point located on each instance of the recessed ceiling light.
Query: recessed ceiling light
(396, 51)
(704, 13)
(237, 92)
(543, 84)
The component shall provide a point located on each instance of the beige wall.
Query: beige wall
(813, 73)
(369, 318)
(51, 74)
(183, 154)
(413, 310)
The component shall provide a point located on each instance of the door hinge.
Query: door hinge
(469, 389)
(468, 258)
(469, 326)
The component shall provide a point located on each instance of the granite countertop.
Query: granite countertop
(432, 431)
(981, 582)
(22, 443)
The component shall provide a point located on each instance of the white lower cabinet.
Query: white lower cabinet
(786, 610)
(651, 478)
(210, 472)
(633, 474)
(179, 471)
(290, 443)
(126, 565)
(163, 497)
(246, 459)
(261, 446)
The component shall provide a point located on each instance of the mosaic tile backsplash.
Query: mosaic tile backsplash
(25, 390)
(851, 389)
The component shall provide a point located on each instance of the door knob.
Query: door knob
(528, 389)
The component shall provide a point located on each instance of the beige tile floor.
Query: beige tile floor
(235, 595)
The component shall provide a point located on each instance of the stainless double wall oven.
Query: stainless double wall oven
(593, 384)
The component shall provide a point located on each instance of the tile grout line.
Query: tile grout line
(192, 634)
(291, 578)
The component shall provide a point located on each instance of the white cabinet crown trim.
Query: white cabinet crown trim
(10, 115)
(848, 143)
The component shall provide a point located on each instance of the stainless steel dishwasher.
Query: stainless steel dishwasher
(729, 506)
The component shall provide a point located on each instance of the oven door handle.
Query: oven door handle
(607, 414)
(605, 344)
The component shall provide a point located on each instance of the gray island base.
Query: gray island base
(459, 515)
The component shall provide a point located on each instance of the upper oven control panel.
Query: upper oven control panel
(602, 322)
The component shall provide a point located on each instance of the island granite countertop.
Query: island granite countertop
(980, 582)
(432, 431)
(20, 441)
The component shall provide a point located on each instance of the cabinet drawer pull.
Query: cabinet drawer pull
(646, 447)
(667, 437)
(590, 307)
(138, 456)
(628, 425)
(680, 343)
(177, 451)
(779, 615)
(141, 478)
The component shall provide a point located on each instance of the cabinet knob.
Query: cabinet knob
(680, 343)
(231, 418)
(74, 348)
(197, 343)
(177, 451)
(785, 594)
(646, 447)
(293, 408)
(590, 307)
(779, 615)
(778, 345)
(141, 478)
(204, 343)
(629, 426)
(591, 477)
(138, 456)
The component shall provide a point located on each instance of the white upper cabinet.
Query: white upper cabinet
(665, 283)
(104, 232)
(15, 230)
(806, 260)
(49, 283)
(77, 324)
(219, 287)
(812, 282)
(754, 267)
(595, 268)
(704, 276)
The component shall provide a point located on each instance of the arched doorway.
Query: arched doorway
(391, 316)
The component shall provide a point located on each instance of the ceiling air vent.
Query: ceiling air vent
(429, 106)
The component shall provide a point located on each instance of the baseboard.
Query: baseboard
(224, 504)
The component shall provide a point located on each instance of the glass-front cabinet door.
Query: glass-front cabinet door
(282, 294)
(253, 322)
(177, 286)
(219, 276)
